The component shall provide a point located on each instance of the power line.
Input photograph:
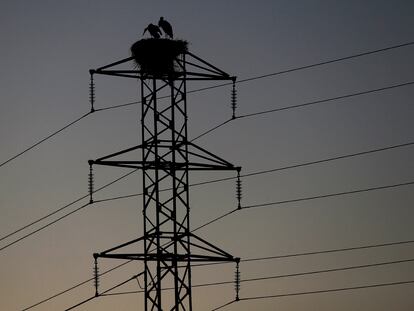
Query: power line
(302, 254)
(245, 207)
(219, 180)
(88, 280)
(102, 294)
(394, 86)
(42, 218)
(212, 129)
(225, 305)
(294, 293)
(120, 284)
(240, 81)
(330, 61)
(43, 227)
(310, 103)
(329, 159)
(319, 252)
(225, 122)
(385, 263)
(216, 219)
(81, 303)
(329, 290)
(56, 211)
(355, 191)
(272, 170)
(77, 121)
(263, 278)
(326, 251)
(329, 195)
(299, 200)
(294, 107)
(73, 287)
(279, 276)
(305, 199)
(44, 139)
(245, 175)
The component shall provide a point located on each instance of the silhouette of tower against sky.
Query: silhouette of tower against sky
(165, 157)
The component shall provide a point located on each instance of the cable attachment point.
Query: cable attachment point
(238, 190)
(237, 279)
(92, 92)
(96, 274)
(90, 181)
(139, 284)
(234, 99)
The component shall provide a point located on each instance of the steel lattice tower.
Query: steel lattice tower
(166, 159)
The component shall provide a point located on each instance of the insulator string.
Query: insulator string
(96, 275)
(92, 92)
(237, 280)
(234, 99)
(90, 182)
(239, 190)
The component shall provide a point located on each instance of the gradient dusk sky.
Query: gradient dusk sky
(47, 48)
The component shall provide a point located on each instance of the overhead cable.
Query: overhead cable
(44, 139)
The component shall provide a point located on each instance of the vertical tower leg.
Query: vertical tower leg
(165, 199)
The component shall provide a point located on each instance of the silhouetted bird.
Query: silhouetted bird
(154, 31)
(166, 27)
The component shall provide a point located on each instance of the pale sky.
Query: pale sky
(47, 48)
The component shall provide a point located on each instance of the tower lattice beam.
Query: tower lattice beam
(166, 157)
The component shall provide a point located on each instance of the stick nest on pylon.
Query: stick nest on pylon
(156, 56)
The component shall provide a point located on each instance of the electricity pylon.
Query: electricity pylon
(165, 157)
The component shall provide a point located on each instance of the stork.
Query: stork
(166, 27)
(154, 31)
